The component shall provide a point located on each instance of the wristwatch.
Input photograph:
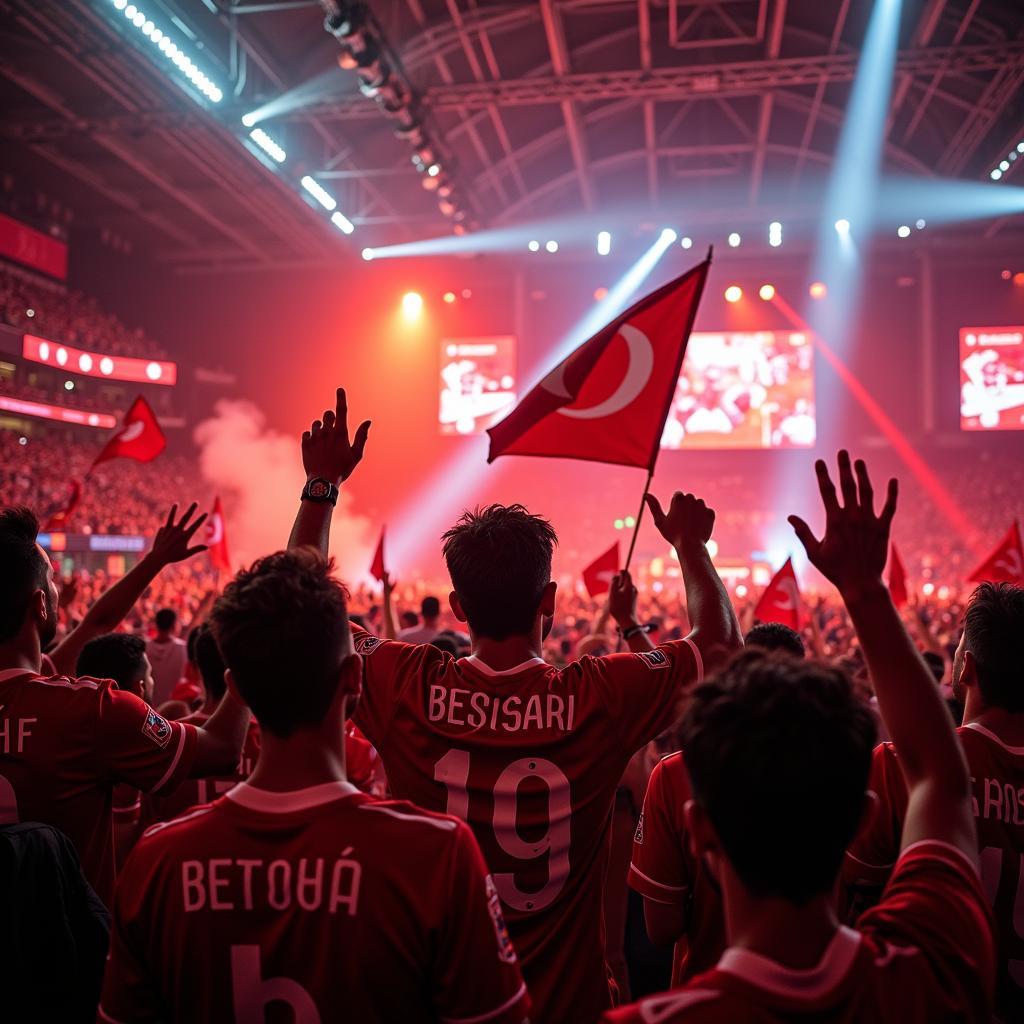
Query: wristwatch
(320, 490)
(645, 627)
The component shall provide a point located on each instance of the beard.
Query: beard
(48, 630)
(958, 668)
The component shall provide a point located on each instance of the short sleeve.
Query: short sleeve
(476, 975)
(659, 870)
(934, 903)
(642, 691)
(389, 667)
(138, 747)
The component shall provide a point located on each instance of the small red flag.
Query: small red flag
(780, 601)
(897, 578)
(377, 566)
(59, 519)
(1006, 563)
(597, 577)
(608, 401)
(139, 437)
(216, 538)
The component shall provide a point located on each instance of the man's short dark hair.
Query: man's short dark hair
(430, 607)
(774, 636)
(22, 568)
(282, 627)
(993, 626)
(166, 620)
(778, 751)
(209, 662)
(117, 656)
(409, 620)
(499, 559)
(446, 644)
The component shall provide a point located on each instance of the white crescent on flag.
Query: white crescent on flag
(214, 529)
(787, 600)
(131, 431)
(1009, 561)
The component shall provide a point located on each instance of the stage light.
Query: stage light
(44, 346)
(767, 292)
(1006, 275)
(920, 223)
(367, 254)
(842, 226)
(30, 313)
(734, 239)
(600, 293)
(62, 356)
(995, 174)
(618, 524)
(434, 170)
(269, 145)
(903, 231)
(630, 522)
(120, 4)
(342, 223)
(686, 242)
(1004, 165)
(741, 590)
(69, 385)
(775, 234)
(733, 293)
(1018, 279)
(106, 366)
(818, 290)
(668, 235)
(249, 119)
(319, 193)
(85, 362)
(551, 246)
(604, 243)
(412, 305)
(533, 245)
(449, 297)
(712, 547)
(466, 293)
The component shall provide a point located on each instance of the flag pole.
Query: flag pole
(639, 516)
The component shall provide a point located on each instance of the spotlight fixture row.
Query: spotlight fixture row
(1004, 165)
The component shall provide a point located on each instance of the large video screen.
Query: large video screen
(477, 383)
(744, 389)
(992, 378)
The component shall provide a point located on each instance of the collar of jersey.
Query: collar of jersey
(13, 673)
(977, 727)
(806, 984)
(481, 666)
(271, 802)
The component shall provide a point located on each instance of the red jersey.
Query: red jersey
(664, 870)
(997, 781)
(926, 953)
(336, 903)
(65, 743)
(531, 758)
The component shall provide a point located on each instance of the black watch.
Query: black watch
(645, 627)
(321, 490)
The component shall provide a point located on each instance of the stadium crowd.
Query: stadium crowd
(274, 796)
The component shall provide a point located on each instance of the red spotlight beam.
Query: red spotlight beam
(945, 502)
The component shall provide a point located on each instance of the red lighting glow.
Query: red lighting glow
(93, 364)
(449, 297)
(600, 293)
(818, 290)
(58, 412)
(1018, 279)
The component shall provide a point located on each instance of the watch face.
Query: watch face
(319, 489)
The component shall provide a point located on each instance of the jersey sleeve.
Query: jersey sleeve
(139, 747)
(659, 870)
(389, 668)
(476, 976)
(934, 903)
(642, 691)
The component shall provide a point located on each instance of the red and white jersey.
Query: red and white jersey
(664, 870)
(64, 745)
(926, 953)
(340, 905)
(997, 782)
(531, 758)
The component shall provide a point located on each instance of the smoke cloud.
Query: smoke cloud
(258, 474)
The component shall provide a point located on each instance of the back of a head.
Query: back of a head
(22, 569)
(774, 636)
(993, 627)
(282, 628)
(499, 560)
(117, 656)
(166, 619)
(778, 751)
(209, 662)
(430, 608)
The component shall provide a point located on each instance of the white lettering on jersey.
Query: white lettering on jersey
(477, 710)
(13, 733)
(1001, 801)
(251, 992)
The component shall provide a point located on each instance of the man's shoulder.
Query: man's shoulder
(699, 1001)
(68, 692)
(401, 818)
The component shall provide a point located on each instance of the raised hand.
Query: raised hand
(388, 585)
(326, 449)
(688, 521)
(622, 596)
(853, 551)
(171, 543)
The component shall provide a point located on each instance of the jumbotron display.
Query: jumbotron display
(477, 383)
(992, 378)
(744, 389)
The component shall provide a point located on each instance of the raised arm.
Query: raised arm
(852, 556)
(687, 527)
(327, 453)
(387, 600)
(173, 543)
(622, 596)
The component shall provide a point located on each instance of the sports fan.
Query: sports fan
(529, 755)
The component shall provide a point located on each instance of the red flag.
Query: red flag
(139, 436)
(897, 578)
(216, 538)
(608, 401)
(59, 519)
(1006, 563)
(377, 566)
(597, 577)
(780, 601)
